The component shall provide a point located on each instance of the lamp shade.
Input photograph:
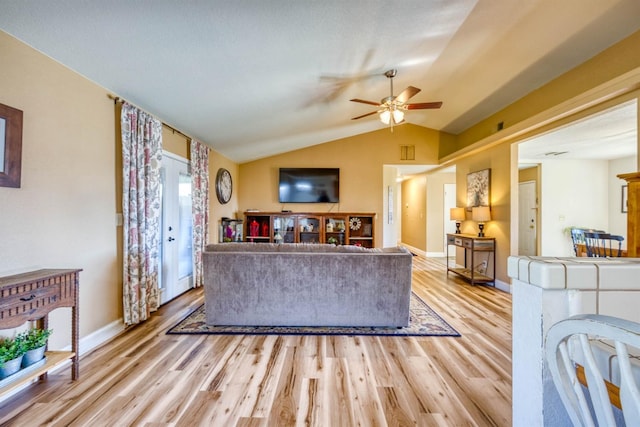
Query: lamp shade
(457, 214)
(481, 214)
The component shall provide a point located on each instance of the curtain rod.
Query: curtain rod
(117, 99)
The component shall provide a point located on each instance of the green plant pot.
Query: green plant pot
(33, 356)
(10, 367)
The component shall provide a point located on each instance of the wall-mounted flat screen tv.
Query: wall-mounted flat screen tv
(309, 185)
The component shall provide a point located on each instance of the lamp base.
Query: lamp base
(481, 232)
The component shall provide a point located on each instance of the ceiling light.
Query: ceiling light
(398, 116)
(385, 117)
(387, 114)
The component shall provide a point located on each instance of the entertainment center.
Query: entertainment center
(344, 228)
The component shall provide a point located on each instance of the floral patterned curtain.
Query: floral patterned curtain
(141, 157)
(200, 195)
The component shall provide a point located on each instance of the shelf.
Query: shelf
(28, 374)
(474, 247)
(466, 273)
(312, 227)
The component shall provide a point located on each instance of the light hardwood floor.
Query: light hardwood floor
(145, 377)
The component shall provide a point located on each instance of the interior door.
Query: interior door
(527, 221)
(176, 274)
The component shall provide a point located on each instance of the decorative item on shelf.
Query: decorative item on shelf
(254, 228)
(481, 214)
(333, 241)
(11, 353)
(35, 342)
(355, 223)
(265, 230)
(458, 215)
(329, 227)
(278, 237)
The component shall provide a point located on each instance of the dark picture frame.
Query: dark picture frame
(479, 189)
(10, 146)
(624, 207)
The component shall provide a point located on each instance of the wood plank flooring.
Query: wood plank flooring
(147, 378)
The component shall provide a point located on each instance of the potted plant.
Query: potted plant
(11, 353)
(35, 342)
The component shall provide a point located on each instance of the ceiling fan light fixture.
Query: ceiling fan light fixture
(398, 116)
(385, 117)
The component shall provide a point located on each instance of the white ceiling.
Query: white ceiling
(253, 78)
(607, 135)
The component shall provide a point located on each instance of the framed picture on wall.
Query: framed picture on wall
(625, 200)
(478, 188)
(10, 146)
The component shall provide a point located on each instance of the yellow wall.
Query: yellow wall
(498, 160)
(360, 159)
(413, 209)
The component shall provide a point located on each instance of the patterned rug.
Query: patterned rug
(423, 322)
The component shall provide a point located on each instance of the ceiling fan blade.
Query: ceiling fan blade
(423, 105)
(364, 115)
(406, 94)
(362, 101)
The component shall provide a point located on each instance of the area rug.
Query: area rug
(423, 322)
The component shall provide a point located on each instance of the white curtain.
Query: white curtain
(200, 195)
(141, 157)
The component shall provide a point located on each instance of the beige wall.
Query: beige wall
(64, 214)
(360, 159)
(610, 64)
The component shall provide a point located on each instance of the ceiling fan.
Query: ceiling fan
(392, 108)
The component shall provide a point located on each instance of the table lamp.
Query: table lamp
(457, 215)
(481, 214)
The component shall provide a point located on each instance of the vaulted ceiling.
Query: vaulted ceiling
(253, 78)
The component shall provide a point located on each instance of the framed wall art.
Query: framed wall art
(10, 146)
(478, 188)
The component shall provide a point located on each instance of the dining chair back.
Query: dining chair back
(577, 238)
(596, 389)
(603, 244)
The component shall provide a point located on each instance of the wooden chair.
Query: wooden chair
(587, 396)
(603, 244)
(577, 238)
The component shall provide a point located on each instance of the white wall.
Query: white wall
(574, 193)
(581, 193)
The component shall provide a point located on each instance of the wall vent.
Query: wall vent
(407, 152)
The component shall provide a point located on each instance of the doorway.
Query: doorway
(449, 202)
(176, 248)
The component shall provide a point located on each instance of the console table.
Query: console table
(479, 258)
(31, 296)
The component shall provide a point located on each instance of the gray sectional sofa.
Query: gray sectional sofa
(264, 284)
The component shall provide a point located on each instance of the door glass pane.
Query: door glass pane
(185, 260)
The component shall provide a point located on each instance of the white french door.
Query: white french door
(176, 251)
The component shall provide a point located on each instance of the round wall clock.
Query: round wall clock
(224, 185)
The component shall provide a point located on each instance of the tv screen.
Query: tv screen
(309, 185)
